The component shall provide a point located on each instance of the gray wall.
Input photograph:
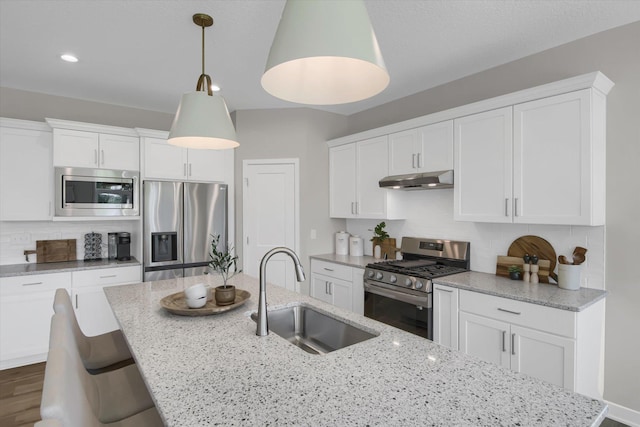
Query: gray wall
(20, 104)
(293, 133)
(617, 54)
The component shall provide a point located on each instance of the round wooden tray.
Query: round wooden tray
(177, 304)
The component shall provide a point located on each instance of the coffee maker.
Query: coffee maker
(124, 246)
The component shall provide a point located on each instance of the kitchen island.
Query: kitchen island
(214, 370)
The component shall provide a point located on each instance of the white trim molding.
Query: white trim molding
(90, 127)
(623, 415)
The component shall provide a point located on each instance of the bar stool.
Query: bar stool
(99, 353)
(76, 398)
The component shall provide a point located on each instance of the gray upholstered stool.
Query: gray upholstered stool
(98, 353)
(76, 398)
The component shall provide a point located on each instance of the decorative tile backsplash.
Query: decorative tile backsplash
(16, 237)
(430, 214)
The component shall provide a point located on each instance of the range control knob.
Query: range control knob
(407, 282)
(393, 279)
(378, 275)
(370, 274)
(419, 284)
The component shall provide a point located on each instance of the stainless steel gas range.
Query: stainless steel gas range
(399, 293)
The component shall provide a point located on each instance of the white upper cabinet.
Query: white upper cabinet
(539, 162)
(559, 160)
(482, 166)
(425, 149)
(342, 181)
(94, 146)
(165, 161)
(354, 172)
(25, 155)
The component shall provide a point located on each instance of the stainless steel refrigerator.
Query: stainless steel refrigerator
(179, 220)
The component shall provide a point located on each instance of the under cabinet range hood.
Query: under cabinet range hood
(419, 181)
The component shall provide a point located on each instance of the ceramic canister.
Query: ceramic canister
(342, 243)
(356, 246)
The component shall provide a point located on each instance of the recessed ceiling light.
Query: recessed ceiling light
(68, 57)
(215, 88)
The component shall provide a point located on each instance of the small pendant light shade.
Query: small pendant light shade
(325, 52)
(202, 121)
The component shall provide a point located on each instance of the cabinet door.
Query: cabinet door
(544, 356)
(485, 338)
(340, 294)
(26, 154)
(403, 152)
(445, 316)
(93, 311)
(342, 181)
(206, 165)
(319, 288)
(357, 291)
(119, 152)
(552, 160)
(482, 166)
(75, 148)
(372, 165)
(163, 160)
(435, 147)
(26, 307)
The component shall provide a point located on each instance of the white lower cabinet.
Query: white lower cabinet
(558, 346)
(445, 316)
(92, 308)
(338, 284)
(26, 307)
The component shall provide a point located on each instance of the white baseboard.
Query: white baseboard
(624, 415)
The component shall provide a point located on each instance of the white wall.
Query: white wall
(15, 237)
(430, 214)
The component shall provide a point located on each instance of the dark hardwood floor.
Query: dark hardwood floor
(21, 392)
(20, 395)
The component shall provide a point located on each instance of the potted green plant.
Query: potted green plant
(514, 272)
(381, 238)
(224, 263)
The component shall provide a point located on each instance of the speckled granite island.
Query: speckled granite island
(214, 370)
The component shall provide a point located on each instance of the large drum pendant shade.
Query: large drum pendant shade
(203, 121)
(325, 52)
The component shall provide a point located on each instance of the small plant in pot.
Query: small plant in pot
(223, 262)
(379, 236)
(515, 272)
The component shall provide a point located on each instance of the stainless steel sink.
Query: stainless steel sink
(313, 331)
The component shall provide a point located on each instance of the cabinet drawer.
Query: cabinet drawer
(34, 283)
(106, 276)
(552, 320)
(331, 269)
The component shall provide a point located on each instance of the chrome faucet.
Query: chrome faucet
(263, 327)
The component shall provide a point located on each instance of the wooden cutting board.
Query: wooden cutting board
(56, 250)
(534, 245)
(504, 262)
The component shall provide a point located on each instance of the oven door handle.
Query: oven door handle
(408, 298)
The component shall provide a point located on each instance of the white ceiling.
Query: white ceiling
(146, 53)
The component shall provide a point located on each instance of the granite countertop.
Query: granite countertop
(539, 293)
(549, 295)
(60, 267)
(351, 261)
(214, 370)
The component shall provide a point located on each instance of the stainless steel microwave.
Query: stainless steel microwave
(96, 192)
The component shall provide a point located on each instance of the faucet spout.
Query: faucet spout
(262, 328)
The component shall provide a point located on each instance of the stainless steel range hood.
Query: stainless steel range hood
(419, 181)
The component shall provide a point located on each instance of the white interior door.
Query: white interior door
(270, 217)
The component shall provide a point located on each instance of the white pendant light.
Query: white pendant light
(202, 120)
(325, 52)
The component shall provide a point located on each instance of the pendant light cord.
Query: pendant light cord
(204, 78)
